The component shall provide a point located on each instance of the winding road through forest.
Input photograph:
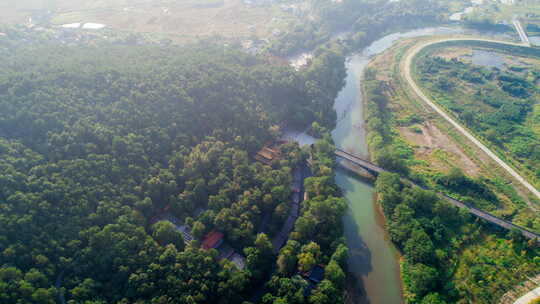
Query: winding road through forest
(406, 68)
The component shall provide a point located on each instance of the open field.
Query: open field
(487, 97)
(404, 129)
(186, 19)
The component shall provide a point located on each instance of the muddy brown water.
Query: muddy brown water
(373, 260)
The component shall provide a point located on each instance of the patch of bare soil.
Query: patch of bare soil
(381, 65)
(454, 52)
(438, 149)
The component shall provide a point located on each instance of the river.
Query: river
(373, 261)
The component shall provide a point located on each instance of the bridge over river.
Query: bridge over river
(375, 170)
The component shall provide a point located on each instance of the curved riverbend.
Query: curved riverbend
(406, 69)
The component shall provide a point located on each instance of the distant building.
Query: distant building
(212, 240)
(258, 2)
(72, 25)
(268, 154)
(251, 46)
(93, 26)
(246, 44)
(469, 10)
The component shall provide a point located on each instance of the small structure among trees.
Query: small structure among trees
(269, 153)
(212, 240)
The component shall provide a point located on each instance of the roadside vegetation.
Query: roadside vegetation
(412, 137)
(317, 239)
(448, 255)
(537, 301)
(499, 104)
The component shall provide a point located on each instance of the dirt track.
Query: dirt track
(406, 74)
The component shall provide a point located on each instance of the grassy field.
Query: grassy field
(184, 19)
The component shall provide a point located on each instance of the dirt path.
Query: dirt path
(406, 73)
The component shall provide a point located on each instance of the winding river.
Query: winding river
(373, 261)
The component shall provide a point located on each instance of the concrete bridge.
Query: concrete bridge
(521, 32)
(376, 170)
(369, 166)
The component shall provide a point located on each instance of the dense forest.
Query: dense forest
(98, 144)
(448, 256)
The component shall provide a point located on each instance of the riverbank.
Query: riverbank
(373, 260)
(430, 146)
(475, 139)
(504, 164)
(406, 134)
(372, 265)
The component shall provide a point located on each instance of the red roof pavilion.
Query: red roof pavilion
(212, 240)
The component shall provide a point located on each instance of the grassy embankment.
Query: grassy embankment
(406, 135)
(427, 144)
(527, 10)
(500, 106)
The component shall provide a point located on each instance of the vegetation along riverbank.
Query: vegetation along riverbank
(406, 136)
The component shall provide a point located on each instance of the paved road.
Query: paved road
(527, 298)
(299, 174)
(406, 71)
(521, 33)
